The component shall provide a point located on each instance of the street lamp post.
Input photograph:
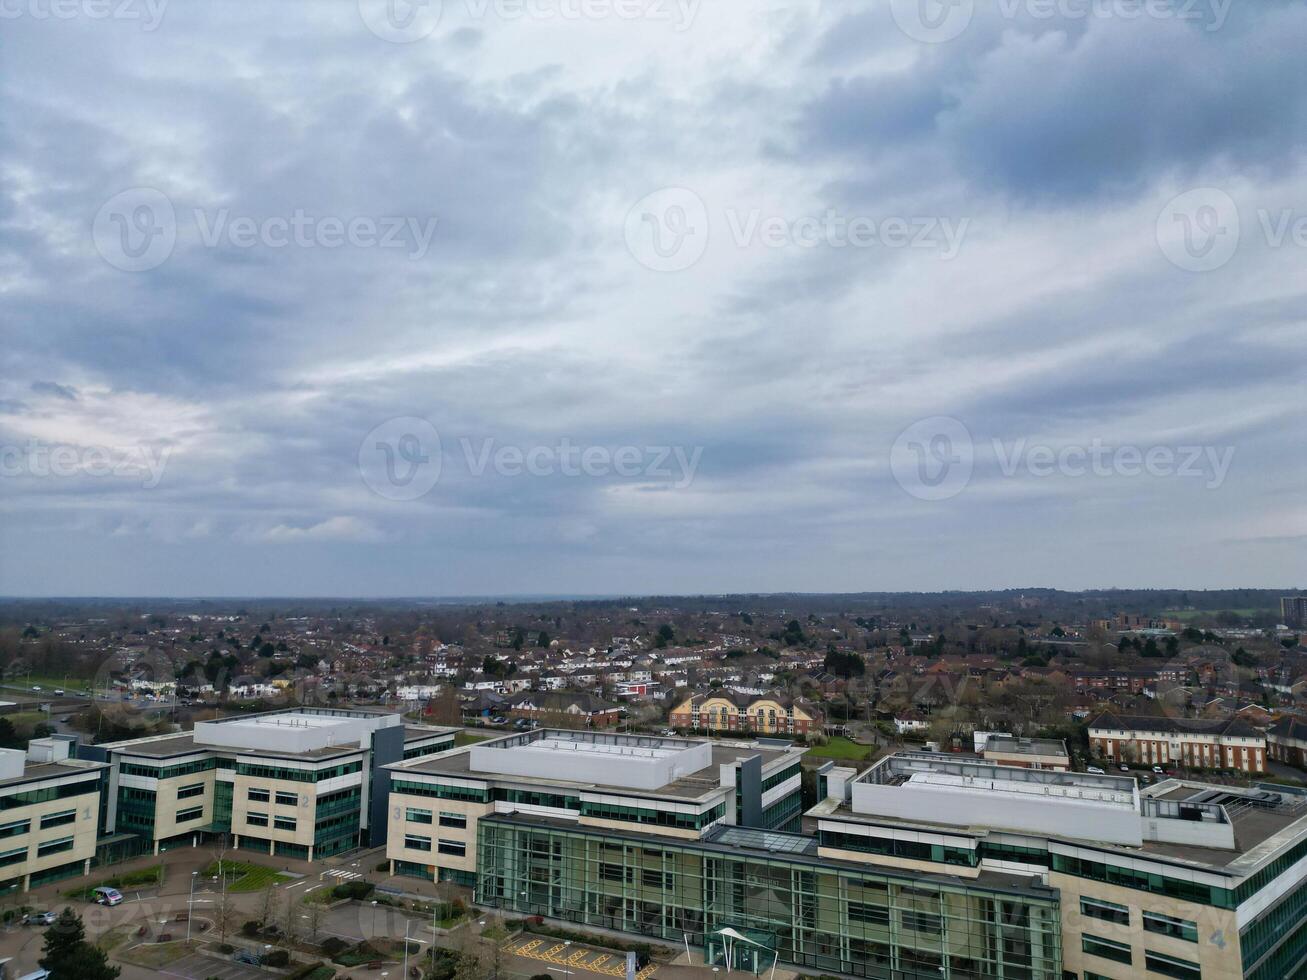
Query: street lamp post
(407, 923)
(190, 905)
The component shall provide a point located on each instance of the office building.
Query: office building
(49, 814)
(1180, 879)
(669, 839)
(301, 783)
(664, 787)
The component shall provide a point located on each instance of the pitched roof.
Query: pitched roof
(1156, 723)
(1289, 727)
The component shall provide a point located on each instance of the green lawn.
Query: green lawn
(244, 877)
(840, 747)
(468, 738)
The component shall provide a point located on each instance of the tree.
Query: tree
(68, 956)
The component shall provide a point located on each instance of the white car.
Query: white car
(1095, 770)
(39, 918)
(1158, 769)
(1125, 768)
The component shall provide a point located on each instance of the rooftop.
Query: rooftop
(547, 757)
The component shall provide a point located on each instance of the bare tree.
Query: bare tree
(313, 910)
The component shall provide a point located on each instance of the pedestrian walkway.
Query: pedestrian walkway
(340, 874)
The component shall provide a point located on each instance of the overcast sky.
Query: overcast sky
(596, 296)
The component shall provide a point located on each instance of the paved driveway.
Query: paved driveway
(198, 967)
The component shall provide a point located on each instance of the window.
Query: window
(1105, 948)
(455, 820)
(192, 813)
(1107, 911)
(1169, 966)
(923, 922)
(414, 815)
(652, 878)
(15, 828)
(1164, 925)
(15, 856)
(58, 819)
(258, 795)
(54, 846)
(874, 914)
(186, 792)
(454, 848)
(287, 799)
(283, 823)
(415, 842)
(256, 819)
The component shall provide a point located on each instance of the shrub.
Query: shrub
(353, 889)
(333, 946)
(226, 948)
(250, 929)
(543, 976)
(278, 957)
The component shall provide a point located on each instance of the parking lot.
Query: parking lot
(573, 956)
(199, 967)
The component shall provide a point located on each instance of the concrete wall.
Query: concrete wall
(581, 764)
(1048, 815)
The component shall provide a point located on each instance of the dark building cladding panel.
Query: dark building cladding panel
(387, 747)
(750, 789)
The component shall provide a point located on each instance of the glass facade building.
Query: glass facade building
(809, 911)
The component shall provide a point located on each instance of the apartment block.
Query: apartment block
(302, 783)
(1191, 742)
(1286, 741)
(727, 711)
(49, 814)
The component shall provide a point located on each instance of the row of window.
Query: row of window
(44, 795)
(1167, 966)
(442, 791)
(661, 818)
(261, 820)
(893, 847)
(298, 775)
(264, 796)
(453, 848)
(1155, 922)
(456, 821)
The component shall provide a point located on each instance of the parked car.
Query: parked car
(1095, 770)
(668, 733)
(39, 919)
(247, 956)
(35, 975)
(108, 896)
(1124, 767)
(36, 687)
(1159, 769)
(498, 720)
(59, 692)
